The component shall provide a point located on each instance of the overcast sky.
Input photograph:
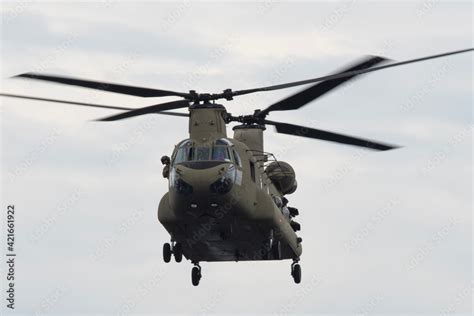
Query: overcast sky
(383, 233)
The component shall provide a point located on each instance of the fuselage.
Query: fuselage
(221, 205)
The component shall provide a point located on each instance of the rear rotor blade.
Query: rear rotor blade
(300, 99)
(148, 110)
(98, 85)
(296, 130)
(346, 74)
(83, 104)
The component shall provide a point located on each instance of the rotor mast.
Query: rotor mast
(251, 135)
(206, 121)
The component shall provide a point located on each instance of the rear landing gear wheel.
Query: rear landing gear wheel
(178, 252)
(296, 273)
(196, 275)
(167, 252)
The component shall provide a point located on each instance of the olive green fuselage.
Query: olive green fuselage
(235, 220)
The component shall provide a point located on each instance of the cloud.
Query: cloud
(211, 47)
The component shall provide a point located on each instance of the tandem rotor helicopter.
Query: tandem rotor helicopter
(227, 196)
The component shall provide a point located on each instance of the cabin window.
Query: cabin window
(252, 171)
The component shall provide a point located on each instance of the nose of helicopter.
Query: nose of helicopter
(197, 186)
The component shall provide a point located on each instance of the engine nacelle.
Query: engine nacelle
(283, 176)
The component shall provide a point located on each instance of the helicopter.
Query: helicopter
(227, 196)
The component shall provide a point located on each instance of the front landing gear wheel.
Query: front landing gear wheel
(178, 252)
(196, 275)
(296, 273)
(167, 252)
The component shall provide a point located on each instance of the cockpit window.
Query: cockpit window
(224, 142)
(237, 158)
(186, 142)
(202, 153)
(184, 154)
(219, 151)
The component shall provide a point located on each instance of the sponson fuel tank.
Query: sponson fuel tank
(283, 176)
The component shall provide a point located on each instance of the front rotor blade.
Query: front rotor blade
(346, 74)
(300, 99)
(296, 130)
(110, 87)
(148, 110)
(66, 102)
(83, 104)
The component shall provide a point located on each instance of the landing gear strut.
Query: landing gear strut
(296, 271)
(196, 274)
(276, 249)
(273, 248)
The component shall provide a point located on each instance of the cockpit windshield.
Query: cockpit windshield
(219, 151)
